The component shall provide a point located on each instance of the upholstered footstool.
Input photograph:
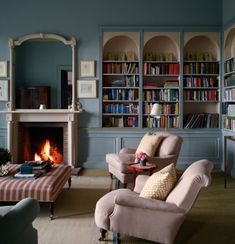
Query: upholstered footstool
(46, 188)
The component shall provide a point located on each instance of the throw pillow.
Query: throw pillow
(149, 144)
(159, 185)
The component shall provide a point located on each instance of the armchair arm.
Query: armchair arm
(128, 150)
(139, 183)
(151, 204)
(18, 219)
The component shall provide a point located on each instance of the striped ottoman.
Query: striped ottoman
(44, 189)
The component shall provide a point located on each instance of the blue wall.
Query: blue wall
(82, 18)
(228, 11)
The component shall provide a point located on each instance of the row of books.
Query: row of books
(201, 95)
(229, 65)
(162, 122)
(203, 120)
(164, 108)
(229, 81)
(201, 68)
(200, 82)
(121, 56)
(120, 94)
(149, 84)
(161, 69)
(229, 123)
(120, 108)
(230, 109)
(229, 94)
(121, 121)
(127, 81)
(151, 56)
(168, 95)
(198, 56)
(120, 68)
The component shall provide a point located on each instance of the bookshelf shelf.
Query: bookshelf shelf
(201, 90)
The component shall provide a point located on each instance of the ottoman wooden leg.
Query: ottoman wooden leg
(51, 210)
(69, 182)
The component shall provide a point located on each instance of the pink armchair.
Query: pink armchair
(166, 153)
(123, 211)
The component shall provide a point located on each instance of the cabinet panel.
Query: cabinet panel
(32, 97)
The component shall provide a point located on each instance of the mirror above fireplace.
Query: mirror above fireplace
(38, 61)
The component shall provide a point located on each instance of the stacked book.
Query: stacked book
(32, 169)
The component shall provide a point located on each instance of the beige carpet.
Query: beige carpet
(211, 221)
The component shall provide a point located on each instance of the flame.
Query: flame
(49, 153)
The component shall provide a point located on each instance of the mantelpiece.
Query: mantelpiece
(15, 117)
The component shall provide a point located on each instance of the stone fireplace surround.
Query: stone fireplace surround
(69, 118)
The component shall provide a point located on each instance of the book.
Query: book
(27, 176)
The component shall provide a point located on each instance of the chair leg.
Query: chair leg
(116, 238)
(111, 175)
(102, 234)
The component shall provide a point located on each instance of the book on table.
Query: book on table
(32, 176)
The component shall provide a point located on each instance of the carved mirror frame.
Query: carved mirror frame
(40, 36)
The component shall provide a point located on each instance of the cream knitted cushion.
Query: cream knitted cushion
(149, 144)
(159, 185)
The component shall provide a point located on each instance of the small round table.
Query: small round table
(138, 168)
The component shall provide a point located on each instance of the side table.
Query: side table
(138, 168)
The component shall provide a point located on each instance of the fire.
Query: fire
(49, 153)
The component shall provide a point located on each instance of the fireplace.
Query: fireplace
(43, 141)
(29, 130)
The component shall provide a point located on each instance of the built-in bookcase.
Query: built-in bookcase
(140, 69)
(161, 69)
(201, 83)
(229, 81)
(120, 80)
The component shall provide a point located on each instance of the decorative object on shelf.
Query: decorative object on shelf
(155, 112)
(141, 158)
(5, 157)
(87, 88)
(4, 90)
(3, 69)
(87, 68)
(42, 106)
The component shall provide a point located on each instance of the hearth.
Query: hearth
(43, 141)
(59, 127)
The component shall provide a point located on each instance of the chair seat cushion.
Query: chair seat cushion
(149, 144)
(159, 185)
(120, 161)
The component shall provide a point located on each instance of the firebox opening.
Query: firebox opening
(43, 143)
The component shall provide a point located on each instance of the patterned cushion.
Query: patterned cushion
(159, 185)
(149, 144)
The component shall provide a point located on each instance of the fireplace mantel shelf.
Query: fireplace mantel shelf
(41, 111)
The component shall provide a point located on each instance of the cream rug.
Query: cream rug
(74, 211)
(211, 220)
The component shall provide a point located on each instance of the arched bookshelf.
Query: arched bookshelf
(201, 83)
(229, 80)
(120, 80)
(161, 70)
